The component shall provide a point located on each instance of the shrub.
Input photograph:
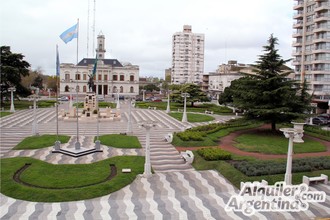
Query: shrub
(214, 154)
(191, 135)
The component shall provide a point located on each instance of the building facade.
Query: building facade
(312, 47)
(111, 76)
(187, 57)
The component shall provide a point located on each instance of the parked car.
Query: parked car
(100, 98)
(63, 98)
(326, 117)
(319, 121)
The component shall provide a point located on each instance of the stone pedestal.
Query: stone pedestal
(300, 128)
(90, 104)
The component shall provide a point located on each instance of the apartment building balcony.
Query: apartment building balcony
(298, 15)
(322, 17)
(321, 6)
(296, 53)
(297, 34)
(316, 61)
(298, 24)
(320, 40)
(296, 44)
(298, 5)
(296, 62)
(320, 29)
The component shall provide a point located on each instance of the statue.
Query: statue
(90, 82)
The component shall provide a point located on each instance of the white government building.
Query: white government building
(111, 75)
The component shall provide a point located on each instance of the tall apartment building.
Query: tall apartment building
(312, 47)
(187, 57)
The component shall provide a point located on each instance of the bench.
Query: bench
(126, 170)
(188, 156)
(308, 180)
(152, 108)
(180, 110)
(208, 112)
(169, 137)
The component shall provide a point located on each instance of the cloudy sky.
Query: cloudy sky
(140, 32)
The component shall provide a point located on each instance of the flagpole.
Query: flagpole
(77, 145)
(57, 142)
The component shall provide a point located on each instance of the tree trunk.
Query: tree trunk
(273, 126)
(192, 104)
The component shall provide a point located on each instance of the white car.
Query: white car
(100, 98)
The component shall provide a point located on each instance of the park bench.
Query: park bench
(308, 180)
(180, 110)
(169, 137)
(188, 156)
(208, 112)
(126, 170)
(152, 108)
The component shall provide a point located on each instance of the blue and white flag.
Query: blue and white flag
(69, 34)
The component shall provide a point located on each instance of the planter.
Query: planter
(299, 126)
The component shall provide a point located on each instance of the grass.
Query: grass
(211, 139)
(197, 108)
(270, 143)
(120, 141)
(24, 104)
(45, 174)
(192, 117)
(37, 142)
(3, 114)
(236, 177)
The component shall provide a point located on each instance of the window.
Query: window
(114, 90)
(84, 88)
(66, 88)
(84, 77)
(105, 77)
(131, 90)
(77, 77)
(99, 77)
(115, 77)
(67, 77)
(131, 78)
(121, 89)
(122, 77)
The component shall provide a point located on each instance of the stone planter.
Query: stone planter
(299, 126)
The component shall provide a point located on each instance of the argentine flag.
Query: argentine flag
(69, 34)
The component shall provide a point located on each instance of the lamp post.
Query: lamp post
(35, 123)
(70, 102)
(118, 103)
(168, 109)
(144, 95)
(77, 144)
(184, 116)
(12, 90)
(289, 133)
(147, 165)
(129, 125)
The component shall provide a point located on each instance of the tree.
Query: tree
(267, 94)
(151, 87)
(52, 83)
(226, 96)
(13, 68)
(195, 92)
(38, 82)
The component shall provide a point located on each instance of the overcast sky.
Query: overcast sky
(140, 32)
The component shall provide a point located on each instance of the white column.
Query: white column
(147, 165)
(12, 90)
(35, 123)
(289, 133)
(77, 144)
(168, 109)
(118, 103)
(129, 125)
(184, 116)
(144, 98)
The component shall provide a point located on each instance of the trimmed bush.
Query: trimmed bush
(214, 154)
(258, 168)
(191, 135)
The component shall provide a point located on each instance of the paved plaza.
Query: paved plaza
(175, 191)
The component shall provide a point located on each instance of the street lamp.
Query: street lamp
(129, 125)
(184, 116)
(144, 95)
(147, 165)
(35, 123)
(118, 103)
(70, 103)
(289, 133)
(77, 144)
(12, 90)
(168, 109)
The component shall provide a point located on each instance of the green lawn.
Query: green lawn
(36, 142)
(3, 114)
(120, 141)
(49, 175)
(175, 106)
(24, 104)
(192, 117)
(270, 143)
(235, 176)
